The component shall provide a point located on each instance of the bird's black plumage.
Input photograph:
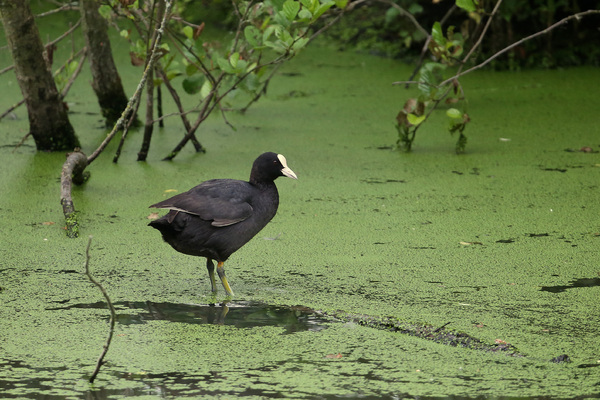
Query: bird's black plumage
(217, 217)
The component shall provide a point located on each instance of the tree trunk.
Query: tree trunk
(149, 124)
(105, 77)
(48, 120)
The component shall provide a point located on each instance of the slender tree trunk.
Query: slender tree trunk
(149, 124)
(48, 120)
(105, 77)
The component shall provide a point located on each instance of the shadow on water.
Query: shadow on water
(241, 314)
(577, 283)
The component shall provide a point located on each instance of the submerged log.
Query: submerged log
(440, 335)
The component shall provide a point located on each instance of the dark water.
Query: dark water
(241, 314)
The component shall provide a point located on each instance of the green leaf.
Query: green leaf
(437, 34)
(224, 65)
(322, 8)
(188, 32)
(304, 14)
(290, 9)
(192, 84)
(454, 113)
(105, 11)
(252, 35)
(300, 43)
(269, 31)
(206, 88)
(308, 4)
(467, 5)
(233, 59)
(341, 3)
(277, 46)
(172, 74)
(415, 8)
(391, 14)
(277, 4)
(285, 37)
(251, 67)
(415, 120)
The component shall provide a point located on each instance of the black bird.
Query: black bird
(219, 216)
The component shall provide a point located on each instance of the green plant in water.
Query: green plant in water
(416, 110)
(433, 89)
(408, 121)
(458, 121)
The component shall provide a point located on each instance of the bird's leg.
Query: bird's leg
(221, 272)
(211, 273)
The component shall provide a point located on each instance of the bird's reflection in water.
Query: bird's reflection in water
(241, 314)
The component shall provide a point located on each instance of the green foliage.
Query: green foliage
(379, 29)
(457, 123)
(265, 35)
(445, 48)
(467, 5)
(410, 117)
(63, 75)
(272, 31)
(382, 29)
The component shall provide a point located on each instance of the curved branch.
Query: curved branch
(113, 312)
(72, 172)
(519, 42)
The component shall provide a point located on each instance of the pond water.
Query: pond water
(500, 243)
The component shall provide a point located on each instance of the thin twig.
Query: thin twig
(407, 15)
(113, 313)
(186, 123)
(64, 35)
(426, 45)
(11, 109)
(63, 7)
(76, 73)
(483, 32)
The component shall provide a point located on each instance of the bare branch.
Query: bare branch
(186, 123)
(519, 42)
(407, 15)
(113, 312)
(483, 32)
(138, 91)
(62, 7)
(64, 35)
(76, 73)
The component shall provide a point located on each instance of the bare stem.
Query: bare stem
(480, 39)
(113, 313)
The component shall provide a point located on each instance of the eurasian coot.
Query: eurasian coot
(219, 216)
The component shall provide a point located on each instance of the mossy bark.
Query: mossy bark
(48, 120)
(106, 81)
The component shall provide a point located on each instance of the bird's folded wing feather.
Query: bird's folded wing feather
(222, 201)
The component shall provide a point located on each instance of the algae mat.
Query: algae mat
(500, 243)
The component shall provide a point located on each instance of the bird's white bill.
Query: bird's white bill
(286, 170)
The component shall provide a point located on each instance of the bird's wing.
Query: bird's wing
(223, 201)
